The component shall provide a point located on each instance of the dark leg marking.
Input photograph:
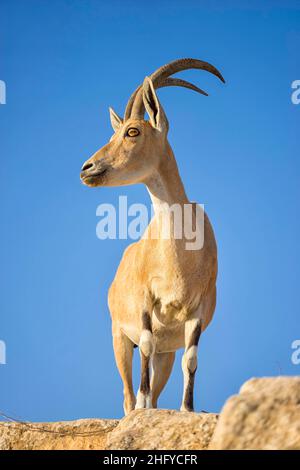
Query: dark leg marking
(195, 336)
(145, 361)
(146, 321)
(189, 392)
(145, 375)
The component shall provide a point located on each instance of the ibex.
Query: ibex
(163, 295)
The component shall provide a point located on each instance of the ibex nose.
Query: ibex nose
(87, 166)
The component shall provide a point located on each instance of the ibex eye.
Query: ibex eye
(132, 132)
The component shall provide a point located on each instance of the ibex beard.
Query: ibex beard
(163, 295)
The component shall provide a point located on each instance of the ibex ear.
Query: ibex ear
(115, 120)
(153, 107)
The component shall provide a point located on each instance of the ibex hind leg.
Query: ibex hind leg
(162, 364)
(146, 346)
(123, 349)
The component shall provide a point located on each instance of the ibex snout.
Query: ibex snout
(93, 172)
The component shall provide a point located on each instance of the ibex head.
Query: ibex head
(138, 147)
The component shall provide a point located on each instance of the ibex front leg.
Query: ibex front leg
(123, 349)
(146, 346)
(189, 362)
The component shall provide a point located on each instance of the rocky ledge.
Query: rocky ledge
(264, 415)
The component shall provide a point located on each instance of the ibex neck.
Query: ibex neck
(165, 185)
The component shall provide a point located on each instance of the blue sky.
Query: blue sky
(64, 62)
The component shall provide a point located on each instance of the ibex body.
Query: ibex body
(163, 295)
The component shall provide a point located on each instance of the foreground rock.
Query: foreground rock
(142, 429)
(265, 415)
(83, 434)
(163, 429)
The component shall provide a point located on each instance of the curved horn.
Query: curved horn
(165, 83)
(135, 106)
(130, 102)
(182, 83)
(184, 64)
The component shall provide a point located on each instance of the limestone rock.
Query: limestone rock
(265, 415)
(163, 429)
(80, 434)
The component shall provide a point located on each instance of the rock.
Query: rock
(81, 434)
(142, 429)
(163, 429)
(265, 415)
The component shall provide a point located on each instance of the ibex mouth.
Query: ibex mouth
(92, 179)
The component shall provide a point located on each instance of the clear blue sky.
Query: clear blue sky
(64, 62)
